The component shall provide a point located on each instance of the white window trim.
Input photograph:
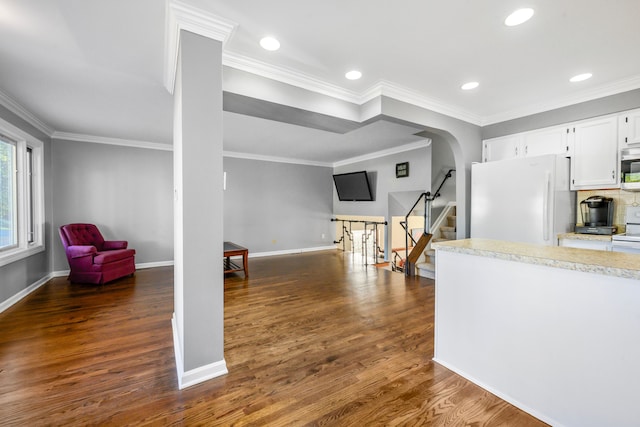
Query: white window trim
(24, 248)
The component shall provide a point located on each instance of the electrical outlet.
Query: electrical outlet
(322, 236)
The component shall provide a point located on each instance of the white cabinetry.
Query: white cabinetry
(601, 245)
(594, 162)
(502, 148)
(553, 140)
(629, 128)
(593, 146)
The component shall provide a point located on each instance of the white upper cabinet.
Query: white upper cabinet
(593, 146)
(553, 140)
(629, 128)
(594, 162)
(502, 148)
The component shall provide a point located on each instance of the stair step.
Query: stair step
(440, 239)
(450, 235)
(426, 269)
(448, 228)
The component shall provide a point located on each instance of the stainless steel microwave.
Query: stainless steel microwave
(630, 169)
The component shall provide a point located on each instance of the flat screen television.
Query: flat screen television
(353, 187)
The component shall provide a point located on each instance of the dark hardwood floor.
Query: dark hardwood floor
(310, 339)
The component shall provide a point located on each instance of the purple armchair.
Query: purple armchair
(91, 258)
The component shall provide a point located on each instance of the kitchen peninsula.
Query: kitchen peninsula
(553, 330)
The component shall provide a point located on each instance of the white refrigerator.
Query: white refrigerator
(522, 200)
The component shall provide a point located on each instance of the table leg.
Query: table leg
(245, 263)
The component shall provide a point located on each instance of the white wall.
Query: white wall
(558, 343)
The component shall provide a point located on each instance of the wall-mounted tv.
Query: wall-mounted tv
(353, 187)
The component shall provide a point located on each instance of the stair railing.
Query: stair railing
(428, 198)
(367, 234)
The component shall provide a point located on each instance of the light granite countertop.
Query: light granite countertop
(590, 237)
(590, 261)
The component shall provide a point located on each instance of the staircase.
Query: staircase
(410, 264)
(443, 229)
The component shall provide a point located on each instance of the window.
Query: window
(21, 194)
(8, 199)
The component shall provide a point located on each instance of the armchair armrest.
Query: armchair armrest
(77, 251)
(115, 244)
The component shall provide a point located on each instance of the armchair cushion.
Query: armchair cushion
(114, 244)
(106, 257)
(84, 235)
(78, 251)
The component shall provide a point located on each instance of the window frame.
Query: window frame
(32, 187)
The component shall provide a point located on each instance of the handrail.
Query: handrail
(447, 176)
(359, 220)
(428, 198)
(426, 195)
(403, 224)
(437, 224)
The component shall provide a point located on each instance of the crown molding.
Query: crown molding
(182, 16)
(111, 141)
(17, 109)
(313, 84)
(383, 153)
(392, 90)
(288, 76)
(609, 89)
(264, 158)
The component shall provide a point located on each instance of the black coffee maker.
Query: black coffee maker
(597, 216)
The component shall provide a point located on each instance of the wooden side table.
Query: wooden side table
(230, 250)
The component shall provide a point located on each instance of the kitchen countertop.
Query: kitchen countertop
(616, 264)
(579, 236)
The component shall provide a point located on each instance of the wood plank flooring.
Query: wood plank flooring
(310, 339)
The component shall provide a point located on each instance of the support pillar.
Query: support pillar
(198, 321)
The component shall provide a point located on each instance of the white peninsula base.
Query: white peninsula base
(561, 343)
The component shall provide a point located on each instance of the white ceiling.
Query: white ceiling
(95, 67)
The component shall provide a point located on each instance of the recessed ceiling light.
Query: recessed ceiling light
(270, 43)
(353, 75)
(469, 85)
(580, 77)
(518, 17)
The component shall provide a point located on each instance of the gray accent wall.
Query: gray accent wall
(442, 161)
(584, 110)
(17, 276)
(272, 206)
(127, 192)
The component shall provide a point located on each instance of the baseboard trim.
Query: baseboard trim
(60, 273)
(291, 251)
(198, 375)
(23, 293)
(141, 266)
(144, 265)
